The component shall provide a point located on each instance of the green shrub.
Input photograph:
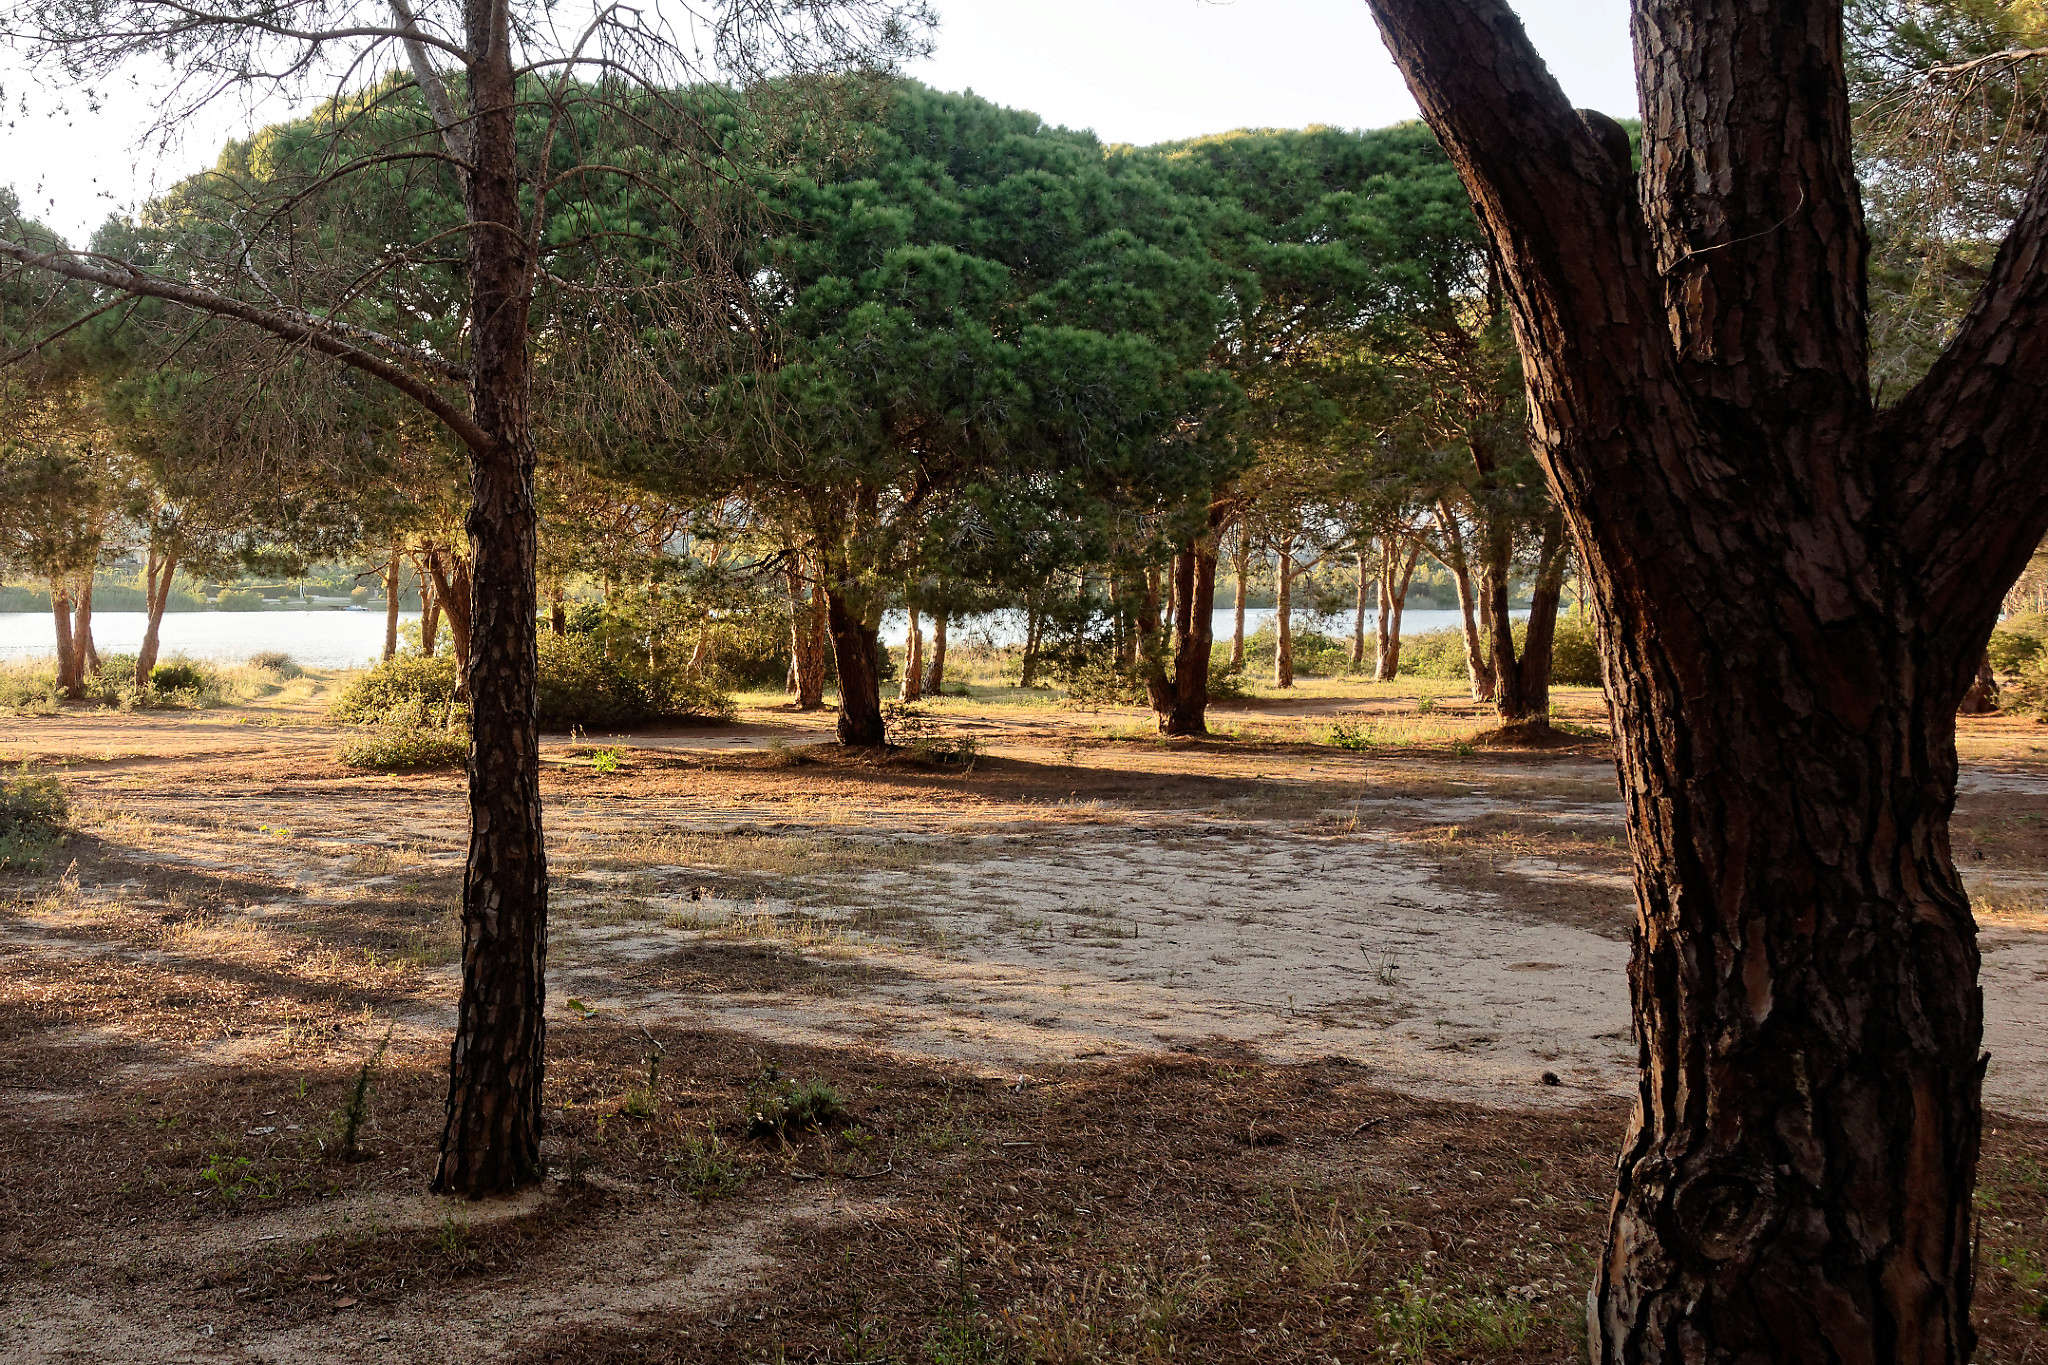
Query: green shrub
(405, 748)
(2018, 642)
(1434, 654)
(581, 686)
(1101, 682)
(795, 1108)
(278, 662)
(179, 675)
(407, 687)
(239, 599)
(1575, 655)
(1316, 655)
(32, 815)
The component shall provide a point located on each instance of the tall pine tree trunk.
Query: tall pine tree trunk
(806, 638)
(491, 1141)
(1796, 1183)
(1366, 580)
(1240, 567)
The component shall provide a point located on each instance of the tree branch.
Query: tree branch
(316, 333)
(1970, 434)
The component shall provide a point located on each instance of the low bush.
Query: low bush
(239, 599)
(2018, 642)
(1575, 656)
(580, 685)
(32, 815)
(1316, 655)
(179, 675)
(405, 748)
(278, 662)
(1434, 654)
(401, 688)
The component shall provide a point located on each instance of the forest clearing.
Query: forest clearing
(1257, 1047)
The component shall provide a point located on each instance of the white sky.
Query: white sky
(1135, 71)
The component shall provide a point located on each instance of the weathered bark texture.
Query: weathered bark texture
(855, 647)
(1397, 573)
(491, 1141)
(157, 574)
(1792, 591)
(1521, 684)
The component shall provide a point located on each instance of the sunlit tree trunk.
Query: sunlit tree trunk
(935, 670)
(157, 574)
(1283, 617)
(81, 627)
(70, 669)
(391, 595)
(1240, 568)
(855, 646)
(806, 637)
(1793, 590)
(912, 686)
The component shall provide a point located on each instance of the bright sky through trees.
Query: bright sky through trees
(1136, 71)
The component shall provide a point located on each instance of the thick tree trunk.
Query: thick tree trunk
(156, 595)
(1180, 696)
(81, 628)
(806, 639)
(912, 687)
(854, 647)
(935, 670)
(1982, 698)
(491, 1142)
(1283, 620)
(70, 670)
(1793, 590)
(391, 595)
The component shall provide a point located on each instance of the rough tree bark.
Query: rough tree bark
(157, 573)
(491, 1141)
(1521, 683)
(854, 647)
(1796, 1183)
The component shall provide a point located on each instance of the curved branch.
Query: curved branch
(320, 334)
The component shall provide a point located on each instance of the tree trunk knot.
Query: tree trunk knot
(1723, 1212)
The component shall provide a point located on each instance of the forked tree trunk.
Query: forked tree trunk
(806, 639)
(430, 615)
(1521, 680)
(854, 647)
(391, 592)
(70, 673)
(454, 595)
(156, 597)
(81, 628)
(912, 687)
(491, 1141)
(1180, 697)
(1793, 590)
(935, 670)
(1397, 574)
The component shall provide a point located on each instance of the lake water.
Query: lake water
(354, 639)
